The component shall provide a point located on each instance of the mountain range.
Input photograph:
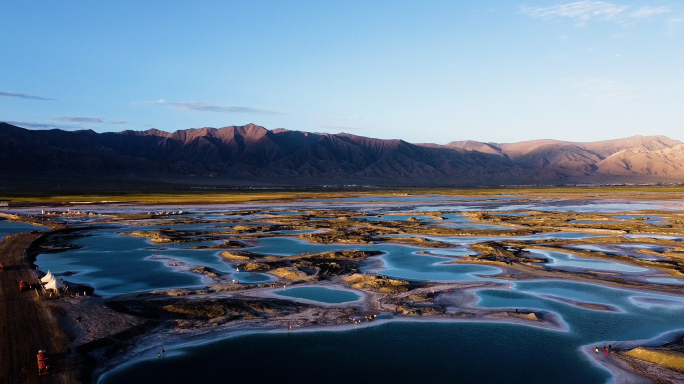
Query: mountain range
(254, 155)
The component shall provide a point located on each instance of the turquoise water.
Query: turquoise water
(623, 249)
(666, 280)
(562, 260)
(12, 227)
(115, 264)
(403, 262)
(252, 277)
(656, 220)
(653, 236)
(398, 352)
(324, 295)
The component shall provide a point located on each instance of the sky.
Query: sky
(429, 71)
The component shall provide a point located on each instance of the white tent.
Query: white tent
(54, 285)
(47, 277)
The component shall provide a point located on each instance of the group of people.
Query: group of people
(607, 349)
(367, 318)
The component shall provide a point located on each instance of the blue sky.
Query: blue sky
(435, 71)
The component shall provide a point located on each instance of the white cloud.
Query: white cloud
(31, 125)
(337, 128)
(119, 122)
(606, 91)
(644, 12)
(76, 119)
(202, 107)
(588, 10)
(583, 10)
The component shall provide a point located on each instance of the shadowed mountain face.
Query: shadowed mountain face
(289, 157)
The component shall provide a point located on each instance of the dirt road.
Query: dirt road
(25, 325)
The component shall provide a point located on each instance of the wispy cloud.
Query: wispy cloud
(644, 12)
(119, 122)
(355, 119)
(337, 128)
(202, 107)
(588, 10)
(30, 125)
(75, 119)
(23, 96)
(160, 101)
(606, 91)
(674, 25)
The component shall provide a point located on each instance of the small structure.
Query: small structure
(54, 285)
(47, 277)
(43, 367)
(23, 286)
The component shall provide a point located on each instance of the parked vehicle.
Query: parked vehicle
(23, 286)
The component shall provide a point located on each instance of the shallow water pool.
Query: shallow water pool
(321, 294)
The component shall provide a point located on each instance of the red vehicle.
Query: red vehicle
(23, 286)
(2, 267)
(43, 367)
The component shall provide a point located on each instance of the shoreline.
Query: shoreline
(629, 370)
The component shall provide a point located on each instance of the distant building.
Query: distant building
(4, 203)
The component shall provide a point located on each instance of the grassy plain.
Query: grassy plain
(663, 358)
(247, 195)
